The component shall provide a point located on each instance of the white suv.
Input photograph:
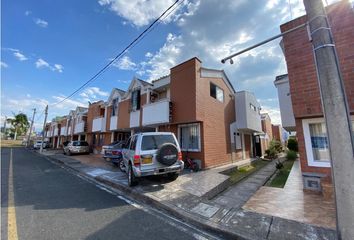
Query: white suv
(152, 153)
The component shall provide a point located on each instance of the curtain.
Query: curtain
(319, 141)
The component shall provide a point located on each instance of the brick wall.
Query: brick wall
(304, 89)
(123, 113)
(276, 131)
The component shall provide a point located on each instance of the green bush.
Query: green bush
(293, 145)
(291, 155)
(271, 153)
(276, 145)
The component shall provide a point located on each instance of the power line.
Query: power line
(119, 55)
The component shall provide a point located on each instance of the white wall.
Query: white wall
(247, 119)
(156, 113)
(285, 104)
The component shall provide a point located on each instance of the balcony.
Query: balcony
(156, 113)
(113, 123)
(69, 131)
(63, 131)
(135, 119)
(79, 128)
(49, 134)
(56, 132)
(99, 124)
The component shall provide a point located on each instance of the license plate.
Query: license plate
(108, 152)
(147, 160)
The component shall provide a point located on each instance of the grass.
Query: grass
(240, 173)
(280, 179)
(11, 143)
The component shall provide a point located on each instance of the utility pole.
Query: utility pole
(5, 121)
(44, 123)
(335, 108)
(30, 131)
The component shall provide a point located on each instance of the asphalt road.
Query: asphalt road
(41, 200)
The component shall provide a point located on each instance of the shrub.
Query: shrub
(276, 145)
(293, 145)
(291, 155)
(271, 153)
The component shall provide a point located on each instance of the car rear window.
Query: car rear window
(80, 144)
(155, 141)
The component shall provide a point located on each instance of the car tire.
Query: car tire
(131, 177)
(69, 153)
(167, 154)
(121, 165)
(172, 176)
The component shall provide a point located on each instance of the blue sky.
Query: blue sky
(49, 48)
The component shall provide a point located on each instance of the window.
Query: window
(253, 107)
(189, 137)
(115, 107)
(155, 141)
(135, 100)
(216, 92)
(316, 142)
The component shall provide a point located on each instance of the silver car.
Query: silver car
(152, 153)
(76, 147)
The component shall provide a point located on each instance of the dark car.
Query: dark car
(113, 153)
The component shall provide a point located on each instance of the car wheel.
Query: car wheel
(107, 159)
(131, 177)
(121, 165)
(69, 153)
(172, 176)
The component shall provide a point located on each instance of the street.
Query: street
(41, 200)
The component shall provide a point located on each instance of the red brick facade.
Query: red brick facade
(303, 82)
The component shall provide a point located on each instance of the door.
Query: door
(257, 148)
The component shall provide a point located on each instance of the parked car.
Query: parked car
(113, 145)
(37, 144)
(152, 153)
(75, 147)
(114, 155)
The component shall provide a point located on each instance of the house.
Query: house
(247, 130)
(267, 135)
(96, 125)
(77, 124)
(304, 90)
(195, 103)
(277, 132)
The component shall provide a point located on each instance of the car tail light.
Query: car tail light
(180, 156)
(136, 160)
(115, 152)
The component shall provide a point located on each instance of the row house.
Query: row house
(212, 122)
(299, 90)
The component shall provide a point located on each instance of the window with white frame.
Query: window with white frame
(216, 92)
(115, 103)
(189, 137)
(316, 142)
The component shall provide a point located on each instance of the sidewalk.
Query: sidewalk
(197, 198)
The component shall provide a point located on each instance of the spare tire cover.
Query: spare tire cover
(167, 154)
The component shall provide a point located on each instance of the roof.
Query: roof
(224, 77)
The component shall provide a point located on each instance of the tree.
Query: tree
(19, 124)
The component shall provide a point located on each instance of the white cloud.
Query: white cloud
(125, 63)
(93, 94)
(141, 13)
(3, 64)
(160, 63)
(40, 22)
(40, 63)
(58, 67)
(274, 114)
(19, 56)
(27, 13)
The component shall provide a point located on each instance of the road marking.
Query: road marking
(11, 210)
